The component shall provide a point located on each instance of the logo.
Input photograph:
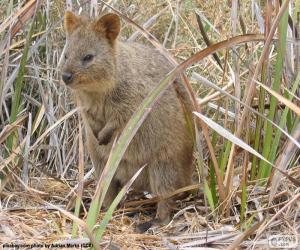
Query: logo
(283, 241)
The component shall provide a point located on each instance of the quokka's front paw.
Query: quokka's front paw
(104, 138)
(105, 135)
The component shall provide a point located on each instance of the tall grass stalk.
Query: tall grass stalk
(80, 179)
(224, 157)
(108, 215)
(244, 179)
(213, 181)
(244, 189)
(283, 119)
(259, 122)
(262, 94)
(264, 169)
(16, 101)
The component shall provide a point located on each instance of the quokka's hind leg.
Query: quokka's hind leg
(113, 188)
(112, 192)
(165, 177)
(163, 216)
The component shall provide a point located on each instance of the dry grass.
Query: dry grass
(40, 167)
(26, 218)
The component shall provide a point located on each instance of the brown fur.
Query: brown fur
(109, 89)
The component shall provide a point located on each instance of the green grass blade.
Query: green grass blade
(264, 168)
(209, 196)
(213, 181)
(229, 136)
(19, 84)
(213, 184)
(259, 122)
(297, 120)
(93, 211)
(81, 178)
(224, 158)
(283, 120)
(289, 122)
(108, 214)
(244, 197)
(212, 85)
(76, 213)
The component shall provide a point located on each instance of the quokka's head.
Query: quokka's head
(89, 59)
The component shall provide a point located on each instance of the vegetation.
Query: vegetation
(240, 62)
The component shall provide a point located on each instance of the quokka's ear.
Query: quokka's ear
(71, 22)
(109, 25)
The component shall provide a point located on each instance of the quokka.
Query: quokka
(110, 78)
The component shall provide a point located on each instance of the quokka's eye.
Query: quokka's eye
(66, 57)
(88, 58)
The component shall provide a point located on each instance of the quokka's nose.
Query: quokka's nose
(67, 77)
